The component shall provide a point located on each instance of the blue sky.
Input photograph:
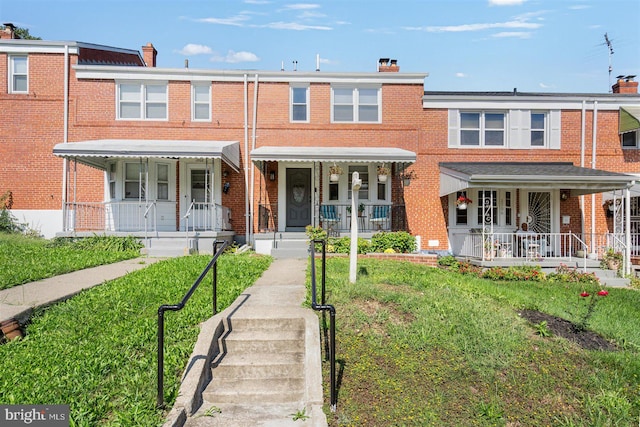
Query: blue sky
(483, 45)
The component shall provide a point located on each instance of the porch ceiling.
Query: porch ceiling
(95, 153)
(458, 176)
(333, 154)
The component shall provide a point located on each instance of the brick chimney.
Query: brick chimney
(9, 31)
(387, 65)
(625, 84)
(149, 54)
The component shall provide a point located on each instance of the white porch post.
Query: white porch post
(627, 234)
(356, 183)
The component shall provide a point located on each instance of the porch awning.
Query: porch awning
(95, 153)
(458, 176)
(629, 119)
(333, 154)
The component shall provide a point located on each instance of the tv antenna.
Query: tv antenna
(610, 47)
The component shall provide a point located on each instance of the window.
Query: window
(162, 182)
(333, 191)
(201, 102)
(112, 180)
(18, 74)
(487, 207)
(382, 191)
(134, 181)
(508, 208)
(482, 129)
(461, 214)
(142, 101)
(538, 121)
(363, 172)
(356, 105)
(300, 104)
(629, 139)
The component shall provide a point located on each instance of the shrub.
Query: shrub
(449, 262)
(521, 272)
(566, 274)
(342, 245)
(399, 241)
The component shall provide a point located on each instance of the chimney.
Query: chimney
(149, 54)
(9, 31)
(625, 84)
(387, 65)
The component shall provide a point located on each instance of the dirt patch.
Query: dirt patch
(588, 340)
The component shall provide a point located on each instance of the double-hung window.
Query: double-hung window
(299, 104)
(135, 184)
(363, 171)
(482, 129)
(201, 102)
(18, 74)
(538, 129)
(142, 101)
(629, 139)
(162, 181)
(356, 104)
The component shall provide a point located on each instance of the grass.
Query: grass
(25, 260)
(420, 346)
(97, 351)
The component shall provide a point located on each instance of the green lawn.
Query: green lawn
(420, 346)
(25, 260)
(97, 351)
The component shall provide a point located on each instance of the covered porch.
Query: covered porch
(303, 186)
(148, 185)
(528, 212)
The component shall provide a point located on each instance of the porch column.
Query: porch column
(627, 236)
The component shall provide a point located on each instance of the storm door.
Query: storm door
(298, 199)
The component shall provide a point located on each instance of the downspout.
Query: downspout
(253, 146)
(246, 160)
(627, 231)
(65, 137)
(583, 128)
(593, 166)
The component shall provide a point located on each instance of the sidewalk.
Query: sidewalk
(18, 302)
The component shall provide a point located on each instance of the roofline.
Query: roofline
(47, 46)
(194, 74)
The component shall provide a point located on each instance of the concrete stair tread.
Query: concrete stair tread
(265, 335)
(260, 359)
(235, 415)
(260, 323)
(258, 391)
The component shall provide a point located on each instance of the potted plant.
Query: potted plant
(407, 177)
(334, 172)
(611, 259)
(360, 209)
(462, 201)
(383, 173)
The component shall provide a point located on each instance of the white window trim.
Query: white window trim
(472, 209)
(356, 103)
(545, 129)
(631, 147)
(482, 130)
(11, 73)
(194, 102)
(307, 103)
(142, 101)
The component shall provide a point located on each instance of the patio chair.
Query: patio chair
(329, 219)
(380, 216)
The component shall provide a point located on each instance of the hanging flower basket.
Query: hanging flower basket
(334, 173)
(383, 173)
(462, 202)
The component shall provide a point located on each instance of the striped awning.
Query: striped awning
(629, 119)
(96, 153)
(333, 154)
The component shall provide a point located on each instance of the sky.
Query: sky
(561, 46)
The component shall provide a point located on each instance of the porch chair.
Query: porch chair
(329, 219)
(380, 216)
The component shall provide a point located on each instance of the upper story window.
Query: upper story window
(299, 104)
(482, 129)
(514, 129)
(142, 101)
(201, 102)
(538, 127)
(18, 74)
(356, 105)
(629, 139)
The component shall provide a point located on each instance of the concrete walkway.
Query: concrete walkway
(20, 301)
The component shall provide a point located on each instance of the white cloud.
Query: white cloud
(233, 57)
(238, 20)
(506, 2)
(295, 26)
(301, 6)
(477, 27)
(580, 7)
(513, 34)
(257, 2)
(461, 75)
(545, 86)
(195, 49)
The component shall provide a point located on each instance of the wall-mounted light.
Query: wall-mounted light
(225, 187)
(272, 175)
(225, 173)
(564, 195)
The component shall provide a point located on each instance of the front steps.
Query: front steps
(258, 378)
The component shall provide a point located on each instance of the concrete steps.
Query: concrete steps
(258, 379)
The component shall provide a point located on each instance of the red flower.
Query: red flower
(584, 294)
(603, 293)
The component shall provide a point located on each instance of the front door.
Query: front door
(298, 199)
(539, 211)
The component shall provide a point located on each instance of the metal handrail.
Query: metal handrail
(180, 306)
(585, 249)
(332, 314)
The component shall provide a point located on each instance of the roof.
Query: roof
(333, 154)
(95, 153)
(457, 176)
(629, 119)
(93, 56)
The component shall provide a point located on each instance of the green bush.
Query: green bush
(399, 241)
(342, 245)
(520, 272)
(99, 243)
(449, 261)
